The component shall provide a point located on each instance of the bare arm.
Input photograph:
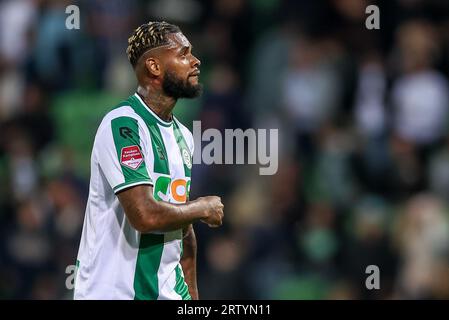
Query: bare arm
(188, 261)
(147, 215)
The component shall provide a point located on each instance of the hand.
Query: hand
(213, 208)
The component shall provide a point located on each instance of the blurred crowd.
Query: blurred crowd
(362, 114)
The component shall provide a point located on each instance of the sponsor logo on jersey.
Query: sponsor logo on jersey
(131, 157)
(166, 188)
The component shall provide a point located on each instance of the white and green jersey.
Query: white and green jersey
(133, 146)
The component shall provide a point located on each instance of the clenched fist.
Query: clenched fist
(213, 210)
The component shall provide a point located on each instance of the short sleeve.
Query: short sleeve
(121, 155)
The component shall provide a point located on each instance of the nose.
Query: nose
(196, 62)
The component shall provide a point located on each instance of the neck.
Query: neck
(159, 103)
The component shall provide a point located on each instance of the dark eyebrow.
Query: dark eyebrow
(184, 49)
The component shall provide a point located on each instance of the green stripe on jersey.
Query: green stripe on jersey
(125, 131)
(159, 151)
(181, 287)
(77, 265)
(157, 142)
(146, 283)
(183, 149)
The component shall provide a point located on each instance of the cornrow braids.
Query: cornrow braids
(148, 36)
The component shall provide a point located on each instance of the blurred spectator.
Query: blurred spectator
(16, 19)
(422, 237)
(420, 94)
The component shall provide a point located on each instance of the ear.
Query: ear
(153, 66)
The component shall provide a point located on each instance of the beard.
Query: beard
(178, 88)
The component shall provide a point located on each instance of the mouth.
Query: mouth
(195, 73)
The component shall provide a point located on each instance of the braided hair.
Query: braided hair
(148, 36)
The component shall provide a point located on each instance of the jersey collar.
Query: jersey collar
(165, 123)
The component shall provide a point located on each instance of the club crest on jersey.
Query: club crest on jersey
(131, 157)
(187, 158)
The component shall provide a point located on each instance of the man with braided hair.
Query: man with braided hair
(137, 240)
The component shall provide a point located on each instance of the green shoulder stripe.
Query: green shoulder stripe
(157, 143)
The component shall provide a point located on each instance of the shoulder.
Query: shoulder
(121, 112)
(120, 121)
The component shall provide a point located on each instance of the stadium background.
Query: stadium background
(364, 148)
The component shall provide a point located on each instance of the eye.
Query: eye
(185, 52)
